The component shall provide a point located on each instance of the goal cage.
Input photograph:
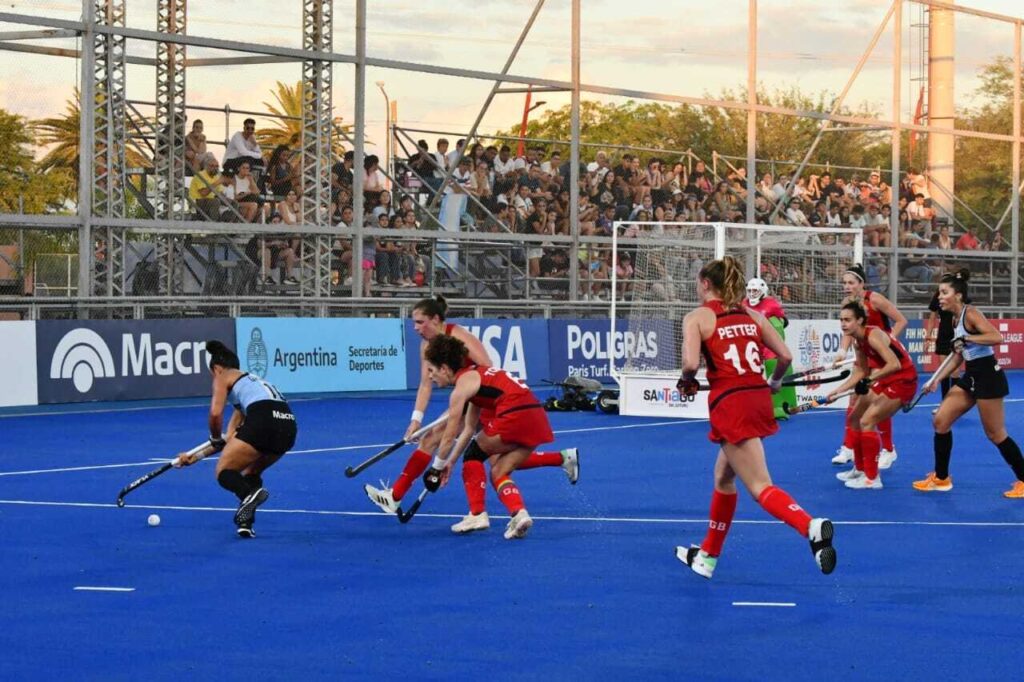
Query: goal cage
(654, 273)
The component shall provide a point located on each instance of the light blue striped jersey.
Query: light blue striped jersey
(972, 351)
(249, 389)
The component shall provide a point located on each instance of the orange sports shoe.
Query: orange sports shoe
(931, 483)
(1016, 491)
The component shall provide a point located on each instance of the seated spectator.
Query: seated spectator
(277, 252)
(967, 241)
(383, 205)
(290, 209)
(206, 184)
(555, 264)
(244, 147)
(835, 218)
(195, 149)
(386, 254)
(995, 242)
(419, 163)
(819, 218)
(373, 180)
(944, 241)
(795, 215)
(480, 184)
(280, 173)
(247, 195)
(921, 209)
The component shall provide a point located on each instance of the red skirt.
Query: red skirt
(741, 412)
(900, 386)
(525, 425)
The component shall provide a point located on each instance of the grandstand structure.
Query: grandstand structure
(158, 260)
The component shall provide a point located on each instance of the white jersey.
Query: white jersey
(972, 351)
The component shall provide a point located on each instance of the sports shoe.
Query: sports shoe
(383, 498)
(472, 522)
(849, 475)
(933, 484)
(1017, 491)
(571, 464)
(246, 532)
(518, 525)
(886, 458)
(699, 561)
(247, 509)
(820, 532)
(844, 455)
(864, 483)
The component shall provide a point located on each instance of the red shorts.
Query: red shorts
(741, 413)
(525, 425)
(901, 388)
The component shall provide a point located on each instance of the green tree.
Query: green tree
(24, 185)
(287, 129)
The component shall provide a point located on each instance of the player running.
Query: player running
(884, 379)
(261, 430)
(982, 384)
(513, 421)
(883, 314)
(730, 337)
(759, 300)
(429, 322)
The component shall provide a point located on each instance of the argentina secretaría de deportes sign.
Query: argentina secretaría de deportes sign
(323, 355)
(82, 360)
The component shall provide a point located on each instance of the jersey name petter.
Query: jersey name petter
(735, 331)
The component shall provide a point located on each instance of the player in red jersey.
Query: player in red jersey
(883, 314)
(759, 300)
(429, 322)
(730, 337)
(513, 420)
(883, 366)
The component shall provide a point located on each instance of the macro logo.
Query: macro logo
(256, 357)
(82, 356)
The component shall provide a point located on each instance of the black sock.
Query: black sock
(943, 451)
(254, 480)
(1011, 453)
(945, 385)
(233, 481)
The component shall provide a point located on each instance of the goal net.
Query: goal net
(654, 284)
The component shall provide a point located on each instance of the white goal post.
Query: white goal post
(654, 285)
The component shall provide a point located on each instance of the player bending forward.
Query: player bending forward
(261, 430)
(730, 338)
(515, 423)
(428, 317)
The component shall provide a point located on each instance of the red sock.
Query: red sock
(870, 444)
(509, 495)
(723, 506)
(779, 504)
(474, 477)
(849, 436)
(414, 468)
(885, 433)
(542, 459)
(858, 450)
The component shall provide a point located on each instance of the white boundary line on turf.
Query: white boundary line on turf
(764, 603)
(92, 588)
(589, 519)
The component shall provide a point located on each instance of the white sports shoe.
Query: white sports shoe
(844, 455)
(518, 525)
(472, 522)
(699, 561)
(819, 533)
(383, 498)
(865, 483)
(571, 464)
(886, 458)
(849, 475)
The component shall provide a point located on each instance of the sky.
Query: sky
(682, 47)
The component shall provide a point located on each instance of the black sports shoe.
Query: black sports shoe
(246, 532)
(820, 535)
(247, 509)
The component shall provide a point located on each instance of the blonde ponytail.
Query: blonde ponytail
(727, 278)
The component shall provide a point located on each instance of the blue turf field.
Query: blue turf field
(927, 585)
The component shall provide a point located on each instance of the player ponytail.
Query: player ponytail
(446, 350)
(435, 306)
(858, 311)
(221, 355)
(726, 278)
(958, 282)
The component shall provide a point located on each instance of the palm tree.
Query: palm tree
(288, 114)
(62, 133)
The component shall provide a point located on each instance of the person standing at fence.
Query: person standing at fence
(729, 337)
(983, 383)
(883, 314)
(759, 300)
(429, 322)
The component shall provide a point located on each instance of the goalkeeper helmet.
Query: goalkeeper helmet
(756, 290)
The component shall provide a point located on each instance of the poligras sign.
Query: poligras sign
(80, 360)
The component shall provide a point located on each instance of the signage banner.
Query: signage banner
(323, 355)
(18, 363)
(81, 360)
(581, 347)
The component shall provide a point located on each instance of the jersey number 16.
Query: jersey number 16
(752, 355)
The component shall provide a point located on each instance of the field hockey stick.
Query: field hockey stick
(366, 464)
(797, 409)
(406, 516)
(199, 452)
(931, 382)
(788, 381)
(820, 370)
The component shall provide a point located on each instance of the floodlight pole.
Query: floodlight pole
(752, 111)
(897, 131)
(574, 156)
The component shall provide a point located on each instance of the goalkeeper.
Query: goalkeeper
(759, 300)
